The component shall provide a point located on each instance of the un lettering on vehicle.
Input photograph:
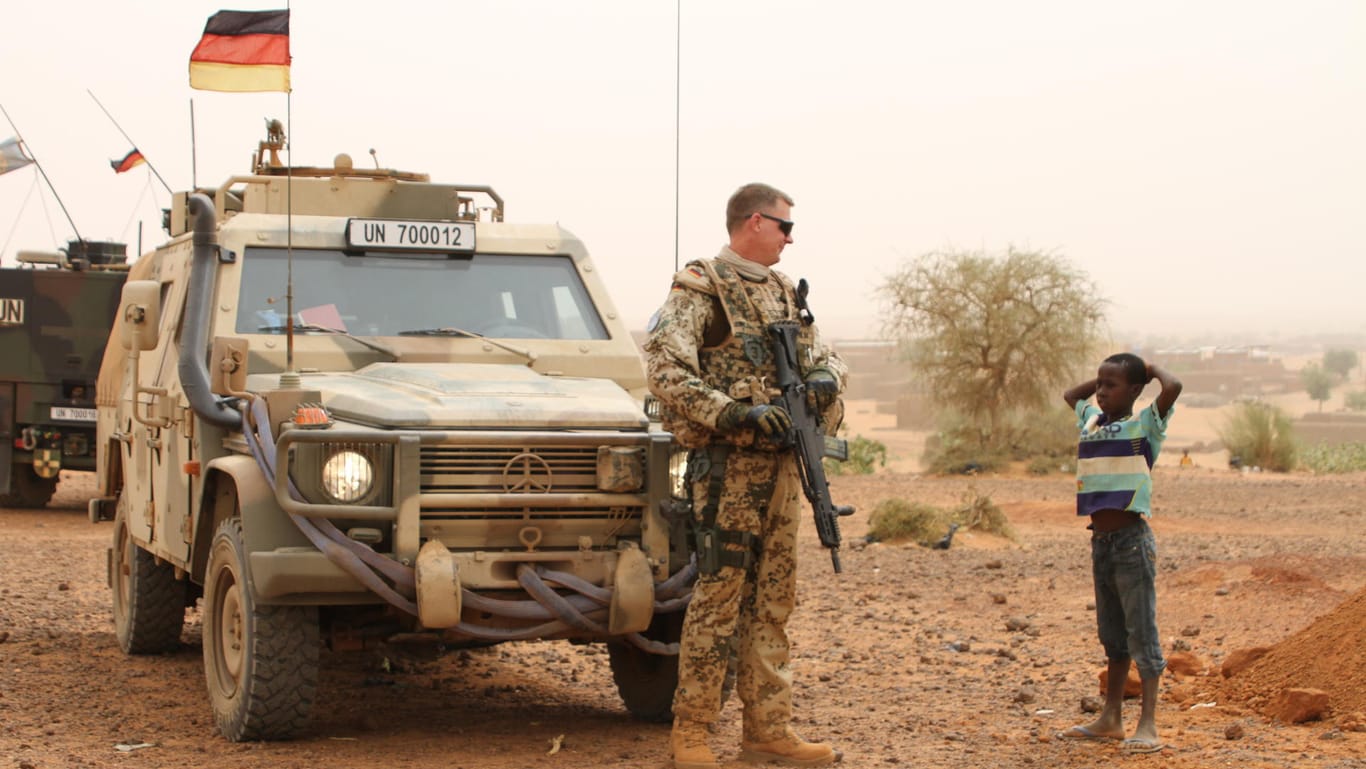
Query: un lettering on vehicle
(410, 235)
(11, 312)
(72, 414)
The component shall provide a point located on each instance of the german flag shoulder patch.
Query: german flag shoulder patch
(695, 278)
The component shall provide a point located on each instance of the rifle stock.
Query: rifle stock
(808, 439)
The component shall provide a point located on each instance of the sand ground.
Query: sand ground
(970, 658)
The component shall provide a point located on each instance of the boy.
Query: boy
(1115, 455)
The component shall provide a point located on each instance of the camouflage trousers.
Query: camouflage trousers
(761, 494)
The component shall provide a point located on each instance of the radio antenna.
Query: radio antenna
(145, 159)
(678, 90)
(39, 166)
(289, 239)
(194, 149)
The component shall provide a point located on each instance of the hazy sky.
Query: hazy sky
(1204, 162)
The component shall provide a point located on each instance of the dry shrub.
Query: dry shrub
(1259, 434)
(895, 520)
(899, 519)
(980, 513)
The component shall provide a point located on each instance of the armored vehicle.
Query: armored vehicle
(353, 406)
(56, 310)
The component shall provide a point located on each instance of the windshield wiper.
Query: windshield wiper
(453, 331)
(443, 331)
(373, 345)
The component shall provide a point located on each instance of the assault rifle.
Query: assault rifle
(808, 439)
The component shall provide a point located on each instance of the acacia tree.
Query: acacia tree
(1318, 382)
(1340, 361)
(993, 334)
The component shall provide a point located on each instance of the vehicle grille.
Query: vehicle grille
(498, 469)
(512, 494)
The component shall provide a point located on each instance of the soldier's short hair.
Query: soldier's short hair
(749, 199)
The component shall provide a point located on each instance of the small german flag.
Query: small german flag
(128, 162)
(242, 51)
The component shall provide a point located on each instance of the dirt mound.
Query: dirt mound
(1329, 654)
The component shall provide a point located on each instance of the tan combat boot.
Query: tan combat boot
(689, 743)
(789, 750)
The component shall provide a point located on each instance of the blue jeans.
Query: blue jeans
(1124, 567)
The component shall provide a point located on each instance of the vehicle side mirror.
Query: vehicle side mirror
(140, 315)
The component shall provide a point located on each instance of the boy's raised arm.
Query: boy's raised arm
(1080, 393)
(1171, 388)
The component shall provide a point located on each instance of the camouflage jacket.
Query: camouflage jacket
(708, 347)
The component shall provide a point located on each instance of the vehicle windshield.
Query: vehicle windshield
(379, 294)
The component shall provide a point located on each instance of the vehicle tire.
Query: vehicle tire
(149, 602)
(261, 662)
(27, 489)
(645, 681)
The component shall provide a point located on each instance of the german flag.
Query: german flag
(242, 51)
(128, 162)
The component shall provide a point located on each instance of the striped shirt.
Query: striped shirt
(1115, 459)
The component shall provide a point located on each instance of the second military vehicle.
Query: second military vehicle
(56, 310)
(350, 405)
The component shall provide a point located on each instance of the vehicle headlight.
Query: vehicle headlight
(678, 473)
(347, 476)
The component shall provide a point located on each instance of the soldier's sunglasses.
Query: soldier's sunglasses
(784, 225)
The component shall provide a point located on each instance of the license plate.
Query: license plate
(403, 235)
(72, 414)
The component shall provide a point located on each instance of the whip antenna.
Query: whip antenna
(39, 166)
(145, 159)
(678, 89)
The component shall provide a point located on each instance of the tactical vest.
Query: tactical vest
(742, 365)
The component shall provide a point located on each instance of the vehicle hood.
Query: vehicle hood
(473, 395)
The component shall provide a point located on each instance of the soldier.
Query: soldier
(708, 359)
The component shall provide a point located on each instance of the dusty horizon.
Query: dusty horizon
(1201, 163)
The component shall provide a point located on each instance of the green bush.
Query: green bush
(1356, 401)
(1051, 434)
(958, 449)
(1340, 458)
(1259, 434)
(962, 447)
(865, 458)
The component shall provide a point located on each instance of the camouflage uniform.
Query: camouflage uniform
(696, 376)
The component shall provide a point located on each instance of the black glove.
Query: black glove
(772, 421)
(823, 387)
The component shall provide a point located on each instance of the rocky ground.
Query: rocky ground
(970, 658)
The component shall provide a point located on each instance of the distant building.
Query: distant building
(1229, 372)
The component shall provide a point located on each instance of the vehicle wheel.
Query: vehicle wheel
(261, 662)
(27, 489)
(149, 602)
(646, 681)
